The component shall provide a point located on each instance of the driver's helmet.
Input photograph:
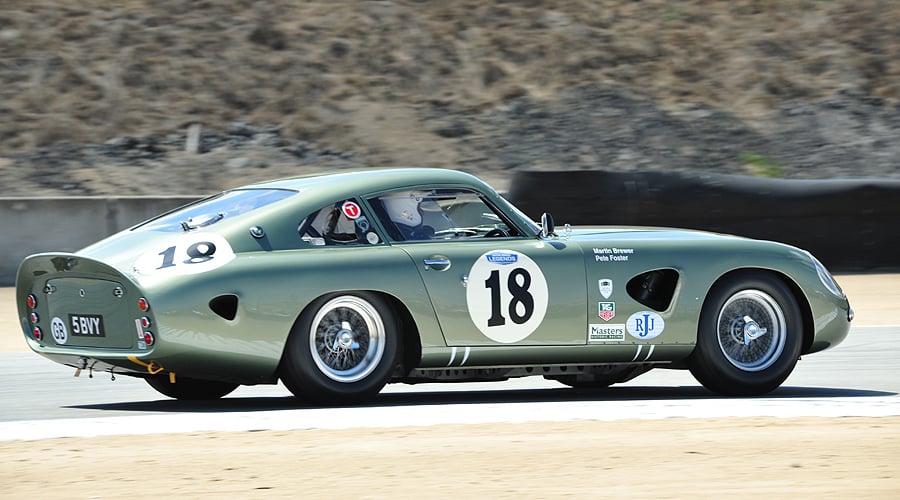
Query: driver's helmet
(403, 210)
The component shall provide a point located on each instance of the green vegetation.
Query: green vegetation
(674, 14)
(761, 166)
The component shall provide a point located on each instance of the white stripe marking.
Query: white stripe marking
(638, 353)
(466, 357)
(452, 356)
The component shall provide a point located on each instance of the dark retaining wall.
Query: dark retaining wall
(849, 224)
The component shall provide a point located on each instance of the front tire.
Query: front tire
(189, 389)
(749, 336)
(343, 349)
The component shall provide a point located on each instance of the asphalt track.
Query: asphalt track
(860, 377)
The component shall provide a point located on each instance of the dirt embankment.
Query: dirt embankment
(97, 97)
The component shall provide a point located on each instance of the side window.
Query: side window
(341, 223)
(439, 214)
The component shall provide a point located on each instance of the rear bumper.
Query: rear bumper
(73, 295)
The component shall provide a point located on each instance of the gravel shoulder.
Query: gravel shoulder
(697, 458)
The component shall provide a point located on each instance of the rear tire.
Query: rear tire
(749, 336)
(343, 349)
(189, 389)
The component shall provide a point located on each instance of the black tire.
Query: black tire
(342, 349)
(190, 389)
(749, 335)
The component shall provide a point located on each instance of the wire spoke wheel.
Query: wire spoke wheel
(347, 339)
(752, 330)
(749, 336)
(342, 349)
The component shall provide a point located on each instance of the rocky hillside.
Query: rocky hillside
(166, 96)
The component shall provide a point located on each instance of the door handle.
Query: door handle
(437, 263)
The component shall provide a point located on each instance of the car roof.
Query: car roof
(374, 180)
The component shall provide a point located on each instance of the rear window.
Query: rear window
(214, 209)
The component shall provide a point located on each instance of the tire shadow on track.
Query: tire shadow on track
(440, 398)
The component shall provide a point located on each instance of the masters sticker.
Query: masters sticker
(606, 333)
(507, 295)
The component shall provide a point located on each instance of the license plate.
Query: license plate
(86, 325)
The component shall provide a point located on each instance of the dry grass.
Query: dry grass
(95, 69)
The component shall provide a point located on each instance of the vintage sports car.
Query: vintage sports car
(339, 284)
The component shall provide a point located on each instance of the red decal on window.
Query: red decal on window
(351, 210)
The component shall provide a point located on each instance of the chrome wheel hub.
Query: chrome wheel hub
(752, 330)
(346, 339)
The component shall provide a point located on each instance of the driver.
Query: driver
(406, 214)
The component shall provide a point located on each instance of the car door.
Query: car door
(489, 284)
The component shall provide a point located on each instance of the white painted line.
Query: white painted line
(431, 415)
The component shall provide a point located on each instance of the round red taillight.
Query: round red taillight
(143, 305)
(148, 338)
(36, 331)
(35, 318)
(31, 301)
(145, 322)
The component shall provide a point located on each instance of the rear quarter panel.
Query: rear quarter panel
(273, 288)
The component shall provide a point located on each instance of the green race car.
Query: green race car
(339, 284)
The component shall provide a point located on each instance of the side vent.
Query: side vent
(654, 289)
(225, 306)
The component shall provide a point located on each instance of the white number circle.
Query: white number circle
(191, 253)
(59, 331)
(506, 295)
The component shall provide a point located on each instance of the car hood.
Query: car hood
(642, 233)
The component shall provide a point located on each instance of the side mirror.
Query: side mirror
(548, 228)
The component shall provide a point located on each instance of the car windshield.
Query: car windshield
(216, 208)
(534, 226)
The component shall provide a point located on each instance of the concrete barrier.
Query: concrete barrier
(34, 225)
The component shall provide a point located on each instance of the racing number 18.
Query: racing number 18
(520, 295)
(198, 252)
